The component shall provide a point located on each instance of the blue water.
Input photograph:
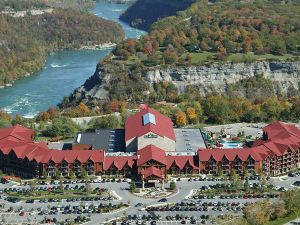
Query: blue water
(63, 72)
(232, 144)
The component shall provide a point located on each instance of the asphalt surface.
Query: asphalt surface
(184, 189)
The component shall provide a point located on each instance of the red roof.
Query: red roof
(280, 130)
(18, 132)
(134, 126)
(281, 137)
(41, 154)
(151, 152)
(152, 171)
(181, 161)
(118, 161)
(231, 154)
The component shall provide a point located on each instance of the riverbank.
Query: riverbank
(62, 72)
(103, 46)
(98, 47)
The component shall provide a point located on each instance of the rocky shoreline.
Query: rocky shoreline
(97, 47)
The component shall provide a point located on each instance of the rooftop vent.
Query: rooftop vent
(149, 118)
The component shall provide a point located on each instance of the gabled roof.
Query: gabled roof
(40, 153)
(151, 152)
(135, 127)
(152, 171)
(280, 130)
(18, 132)
(181, 161)
(257, 153)
(118, 161)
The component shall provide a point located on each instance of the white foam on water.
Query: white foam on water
(57, 66)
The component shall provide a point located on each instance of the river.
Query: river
(63, 72)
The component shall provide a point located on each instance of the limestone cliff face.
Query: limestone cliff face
(285, 75)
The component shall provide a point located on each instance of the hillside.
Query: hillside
(248, 49)
(143, 13)
(40, 4)
(26, 41)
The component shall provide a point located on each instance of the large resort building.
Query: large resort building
(149, 147)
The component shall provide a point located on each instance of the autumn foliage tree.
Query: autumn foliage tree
(181, 118)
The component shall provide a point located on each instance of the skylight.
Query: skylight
(149, 118)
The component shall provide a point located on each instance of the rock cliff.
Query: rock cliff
(285, 77)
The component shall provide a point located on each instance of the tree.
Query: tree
(71, 175)
(170, 57)
(110, 121)
(246, 185)
(5, 119)
(216, 109)
(278, 210)
(58, 175)
(132, 186)
(32, 185)
(45, 116)
(62, 126)
(235, 179)
(180, 118)
(61, 186)
(83, 174)
(291, 200)
(258, 213)
(272, 108)
(173, 185)
(45, 174)
(88, 187)
(192, 115)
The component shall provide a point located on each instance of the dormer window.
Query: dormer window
(149, 118)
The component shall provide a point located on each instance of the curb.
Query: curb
(116, 195)
(190, 194)
(116, 211)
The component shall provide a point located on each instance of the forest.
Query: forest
(41, 4)
(26, 41)
(224, 28)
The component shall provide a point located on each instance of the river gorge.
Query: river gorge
(63, 72)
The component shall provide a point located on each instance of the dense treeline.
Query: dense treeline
(224, 28)
(40, 4)
(25, 41)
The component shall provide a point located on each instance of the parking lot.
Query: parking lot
(182, 209)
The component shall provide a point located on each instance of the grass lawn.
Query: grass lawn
(241, 57)
(284, 220)
(133, 59)
(199, 58)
